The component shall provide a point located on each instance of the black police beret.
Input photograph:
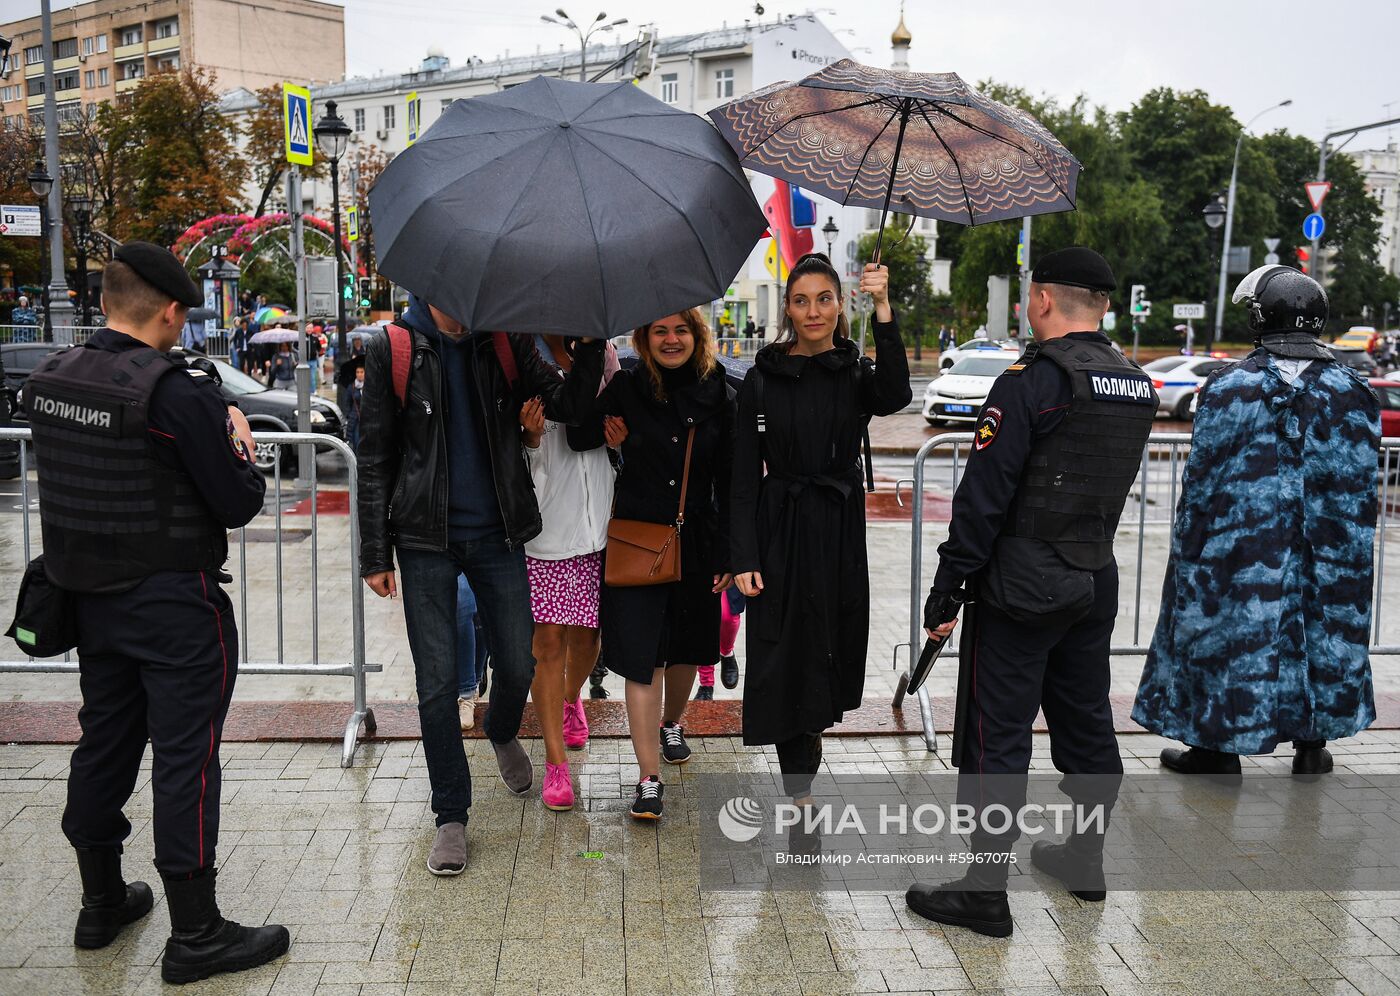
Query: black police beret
(160, 268)
(1075, 267)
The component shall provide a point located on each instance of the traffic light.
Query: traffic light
(1138, 305)
(1304, 258)
(365, 283)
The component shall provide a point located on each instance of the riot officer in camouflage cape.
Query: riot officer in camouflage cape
(1266, 608)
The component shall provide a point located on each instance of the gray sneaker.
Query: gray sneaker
(449, 853)
(516, 770)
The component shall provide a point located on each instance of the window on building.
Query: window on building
(132, 35)
(168, 64)
(34, 55)
(389, 110)
(66, 81)
(8, 93)
(133, 70)
(35, 86)
(66, 49)
(90, 78)
(168, 28)
(724, 83)
(101, 43)
(359, 119)
(103, 76)
(69, 113)
(670, 88)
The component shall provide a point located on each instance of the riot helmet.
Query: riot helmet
(1282, 299)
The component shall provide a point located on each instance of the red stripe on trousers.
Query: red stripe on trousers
(223, 684)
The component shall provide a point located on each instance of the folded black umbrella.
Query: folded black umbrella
(581, 209)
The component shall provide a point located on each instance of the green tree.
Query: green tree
(265, 148)
(910, 293)
(21, 255)
(175, 155)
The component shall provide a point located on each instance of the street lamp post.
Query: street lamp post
(923, 266)
(831, 232)
(333, 138)
(563, 20)
(58, 288)
(82, 221)
(41, 183)
(1230, 218)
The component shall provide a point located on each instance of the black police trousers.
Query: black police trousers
(157, 663)
(1018, 669)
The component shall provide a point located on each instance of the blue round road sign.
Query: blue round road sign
(1313, 226)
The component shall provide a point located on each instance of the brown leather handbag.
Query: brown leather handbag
(643, 553)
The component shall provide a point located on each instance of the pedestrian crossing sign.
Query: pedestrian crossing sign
(415, 114)
(296, 123)
(352, 223)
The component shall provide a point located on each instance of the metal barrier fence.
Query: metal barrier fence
(1151, 502)
(356, 668)
(62, 334)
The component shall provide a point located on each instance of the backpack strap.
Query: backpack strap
(400, 359)
(500, 342)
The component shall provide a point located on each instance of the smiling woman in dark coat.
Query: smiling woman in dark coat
(798, 531)
(657, 636)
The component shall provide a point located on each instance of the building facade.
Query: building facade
(1381, 170)
(694, 72)
(106, 47)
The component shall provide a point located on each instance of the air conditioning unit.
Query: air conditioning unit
(382, 134)
(82, 58)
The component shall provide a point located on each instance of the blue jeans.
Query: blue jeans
(497, 577)
(471, 642)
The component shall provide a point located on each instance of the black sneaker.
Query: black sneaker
(673, 746)
(729, 671)
(705, 693)
(647, 805)
(595, 683)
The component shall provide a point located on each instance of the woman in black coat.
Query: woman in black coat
(657, 636)
(798, 533)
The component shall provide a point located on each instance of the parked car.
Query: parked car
(19, 360)
(952, 354)
(1358, 359)
(1389, 393)
(1358, 337)
(1177, 378)
(958, 394)
(271, 410)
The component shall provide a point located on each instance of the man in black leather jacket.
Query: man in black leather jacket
(444, 484)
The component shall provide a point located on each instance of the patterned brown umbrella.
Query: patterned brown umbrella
(923, 143)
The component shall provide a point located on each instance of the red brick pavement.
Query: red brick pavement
(57, 722)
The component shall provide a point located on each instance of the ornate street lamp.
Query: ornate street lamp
(830, 231)
(333, 138)
(41, 184)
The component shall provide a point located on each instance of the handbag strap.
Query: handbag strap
(685, 477)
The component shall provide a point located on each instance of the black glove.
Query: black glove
(942, 607)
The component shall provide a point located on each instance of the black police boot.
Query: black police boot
(1201, 761)
(109, 903)
(977, 901)
(202, 943)
(1078, 863)
(595, 682)
(1311, 757)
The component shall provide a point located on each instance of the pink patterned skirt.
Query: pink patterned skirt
(565, 592)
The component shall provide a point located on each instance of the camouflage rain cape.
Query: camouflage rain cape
(1266, 608)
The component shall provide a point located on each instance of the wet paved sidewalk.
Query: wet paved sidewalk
(586, 902)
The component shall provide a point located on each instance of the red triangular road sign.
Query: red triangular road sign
(1317, 192)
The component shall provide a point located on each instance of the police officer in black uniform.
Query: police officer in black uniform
(142, 469)
(1055, 451)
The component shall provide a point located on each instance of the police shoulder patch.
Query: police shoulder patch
(987, 428)
(1014, 369)
(1128, 386)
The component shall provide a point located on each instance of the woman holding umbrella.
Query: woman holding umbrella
(798, 533)
(677, 409)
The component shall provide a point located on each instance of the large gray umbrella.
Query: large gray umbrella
(579, 209)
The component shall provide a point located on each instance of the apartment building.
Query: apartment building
(106, 47)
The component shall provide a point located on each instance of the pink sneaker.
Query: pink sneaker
(575, 724)
(558, 792)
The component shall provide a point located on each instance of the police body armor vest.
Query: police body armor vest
(1077, 478)
(112, 514)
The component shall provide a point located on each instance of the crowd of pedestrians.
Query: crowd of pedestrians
(493, 466)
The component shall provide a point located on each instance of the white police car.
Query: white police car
(958, 394)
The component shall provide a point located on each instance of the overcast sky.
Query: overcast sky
(1246, 53)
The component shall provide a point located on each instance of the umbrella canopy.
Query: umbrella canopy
(580, 209)
(275, 335)
(921, 143)
(202, 315)
(272, 313)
